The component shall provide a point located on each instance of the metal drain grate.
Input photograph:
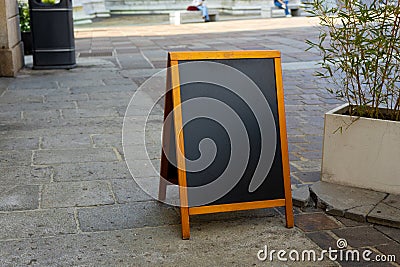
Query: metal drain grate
(96, 54)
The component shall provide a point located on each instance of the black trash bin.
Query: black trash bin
(53, 43)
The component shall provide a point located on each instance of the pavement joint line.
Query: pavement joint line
(332, 234)
(372, 249)
(32, 157)
(146, 58)
(61, 114)
(52, 175)
(117, 154)
(342, 225)
(375, 205)
(110, 187)
(78, 224)
(385, 234)
(41, 187)
(91, 140)
(40, 144)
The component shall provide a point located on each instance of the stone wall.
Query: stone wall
(11, 48)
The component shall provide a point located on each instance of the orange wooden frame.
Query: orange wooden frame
(173, 101)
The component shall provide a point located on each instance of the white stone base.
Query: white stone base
(243, 10)
(86, 10)
(180, 17)
(361, 152)
(80, 16)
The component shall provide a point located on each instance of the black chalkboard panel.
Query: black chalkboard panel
(229, 122)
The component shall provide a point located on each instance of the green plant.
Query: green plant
(359, 42)
(51, 2)
(24, 18)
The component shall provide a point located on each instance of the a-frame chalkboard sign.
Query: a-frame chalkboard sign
(224, 135)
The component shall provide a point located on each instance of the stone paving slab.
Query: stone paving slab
(45, 157)
(19, 197)
(65, 97)
(390, 249)
(139, 73)
(349, 222)
(90, 171)
(36, 223)
(66, 141)
(27, 107)
(15, 158)
(126, 216)
(385, 215)
(24, 97)
(338, 199)
(32, 96)
(110, 95)
(103, 89)
(110, 140)
(29, 143)
(362, 236)
(77, 194)
(359, 213)
(76, 126)
(394, 233)
(89, 113)
(371, 263)
(322, 239)
(392, 200)
(25, 175)
(311, 222)
(144, 169)
(160, 246)
(89, 125)
(357, 204)
(32, 83)
(104, 103)
(68, 83)
(127, 190)
(301, 196)
(138, 153)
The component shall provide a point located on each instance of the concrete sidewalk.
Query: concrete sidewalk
(68, 199)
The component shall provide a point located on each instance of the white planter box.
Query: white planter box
(361, 152)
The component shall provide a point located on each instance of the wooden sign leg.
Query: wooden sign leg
(284, 144)
(168, 106)
(162, 189)
(180, 149)
(289, 216)
(185, 223)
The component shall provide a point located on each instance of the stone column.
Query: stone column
(11, 48)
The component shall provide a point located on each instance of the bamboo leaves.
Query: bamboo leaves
(359, 42)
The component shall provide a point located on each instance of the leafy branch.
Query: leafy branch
(359, 42)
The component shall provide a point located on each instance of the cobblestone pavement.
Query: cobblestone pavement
(68, 199)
